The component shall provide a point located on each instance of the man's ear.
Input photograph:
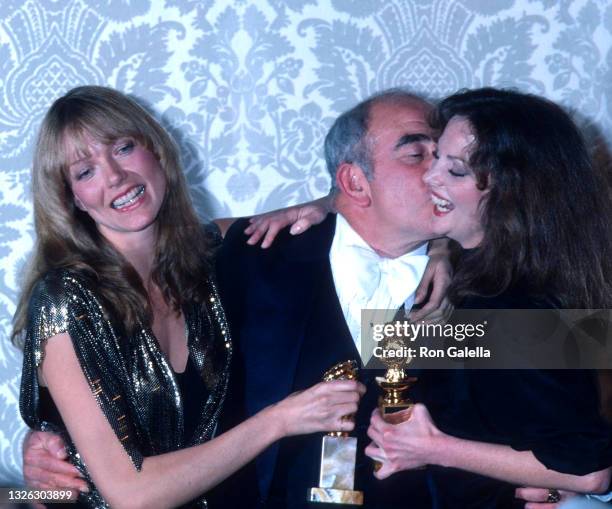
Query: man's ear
(79, 204)
(353, 184)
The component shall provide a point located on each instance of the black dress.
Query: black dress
(552, 413)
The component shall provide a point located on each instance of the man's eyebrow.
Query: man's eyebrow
(406, 139)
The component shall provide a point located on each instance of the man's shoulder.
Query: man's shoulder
(316, 239)
(235, 238)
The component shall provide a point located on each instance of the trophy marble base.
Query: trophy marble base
(337, 477)
(335, 496)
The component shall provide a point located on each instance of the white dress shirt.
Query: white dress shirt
(366, 280)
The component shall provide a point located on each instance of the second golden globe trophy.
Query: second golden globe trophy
(338, 454)
(394, 405)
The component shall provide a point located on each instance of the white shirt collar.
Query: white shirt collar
(365, 280)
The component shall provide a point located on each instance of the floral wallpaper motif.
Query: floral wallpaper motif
(249, 88)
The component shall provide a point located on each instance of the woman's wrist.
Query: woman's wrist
(274, 421)
(442, 449)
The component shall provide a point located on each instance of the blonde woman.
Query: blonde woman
(120, 313)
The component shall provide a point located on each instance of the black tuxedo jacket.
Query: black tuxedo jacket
(288, 329)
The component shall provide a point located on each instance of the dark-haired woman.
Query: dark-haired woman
(513, 184)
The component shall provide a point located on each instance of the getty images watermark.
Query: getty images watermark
(491, 339)
(407, 334)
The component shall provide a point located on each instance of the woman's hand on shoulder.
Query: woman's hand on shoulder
(300, 217)
(326, 406)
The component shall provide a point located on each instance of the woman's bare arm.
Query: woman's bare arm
(417, 442)
(174, 478)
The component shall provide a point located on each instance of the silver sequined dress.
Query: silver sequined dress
(130, 378)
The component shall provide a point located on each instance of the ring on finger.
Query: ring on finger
(553, 496)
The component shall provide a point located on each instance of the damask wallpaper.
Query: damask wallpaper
(249, 88)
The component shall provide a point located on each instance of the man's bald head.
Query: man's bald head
(347, 140)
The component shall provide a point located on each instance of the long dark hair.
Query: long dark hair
(68, 237)
(546, 217)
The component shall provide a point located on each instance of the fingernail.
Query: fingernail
(84, 489)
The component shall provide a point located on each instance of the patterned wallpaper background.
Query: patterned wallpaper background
(249, 87)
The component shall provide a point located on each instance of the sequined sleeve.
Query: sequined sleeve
(61, 303)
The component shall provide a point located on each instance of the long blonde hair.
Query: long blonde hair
(68, 237)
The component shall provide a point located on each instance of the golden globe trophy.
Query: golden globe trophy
(394, 405)
(338, 454)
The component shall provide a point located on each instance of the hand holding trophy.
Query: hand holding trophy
(394, 405)
(338, 454)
